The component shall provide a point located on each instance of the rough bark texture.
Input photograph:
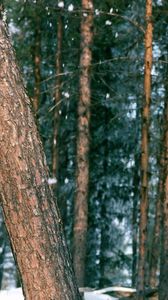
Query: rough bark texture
(30, 212)
(144, 151)
(163, 294)
(37, 63)
(82, 164)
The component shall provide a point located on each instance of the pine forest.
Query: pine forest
(84, 148)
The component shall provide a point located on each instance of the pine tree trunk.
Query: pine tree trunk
(37, 63)
(156, 240)
(30, 212)
(82, 164)
(144, 152)
(57, 97)
(163, 295)
(136, 180)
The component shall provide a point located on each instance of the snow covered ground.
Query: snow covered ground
(16, 294)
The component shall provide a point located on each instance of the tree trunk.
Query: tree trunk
(37, 62)
(136, 180)
(163, 295)
(82, 164)
(30, 212)
(144, 152)
(156, 240)
(57, 98)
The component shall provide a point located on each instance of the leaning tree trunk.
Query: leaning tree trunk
(30, 212)
(144, 152)
(82, 164)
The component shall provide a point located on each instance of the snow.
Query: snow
(13, 294)
(16, 294)
(93, 296)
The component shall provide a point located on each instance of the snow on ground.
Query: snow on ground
(13, 294)
(16, 294)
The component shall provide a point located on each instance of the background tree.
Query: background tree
(144, 204)
(83, 140)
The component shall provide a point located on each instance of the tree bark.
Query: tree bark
(82, 164)
(136, 180)
(163, 295)
(57, 98)
(30, 213)
(156, 240)
(37, 62)
(144, 202)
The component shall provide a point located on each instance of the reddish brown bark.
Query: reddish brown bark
(82, 164)
(144, 152)
(30, 212)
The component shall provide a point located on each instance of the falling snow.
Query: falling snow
(70, 7)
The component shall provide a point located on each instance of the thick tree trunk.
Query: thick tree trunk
(82, 164)
(37, 63)
(30, 212)
(144, 152)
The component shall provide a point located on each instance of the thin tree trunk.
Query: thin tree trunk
(156, 240)
(37, 63)
(105, 243)
(30, 212)
(144, 152)
(136, 180)
(163, 295)
(82, 164)
(57, 97)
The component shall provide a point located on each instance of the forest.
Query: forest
(84, 148)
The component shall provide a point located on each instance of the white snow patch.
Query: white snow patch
(16, 294)
(97, 12)
(93, 296)
(108, 22)
(13, 294)
(66, 94)
(70, 7)
(66, 180)
(52, 181)
(61, 4)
